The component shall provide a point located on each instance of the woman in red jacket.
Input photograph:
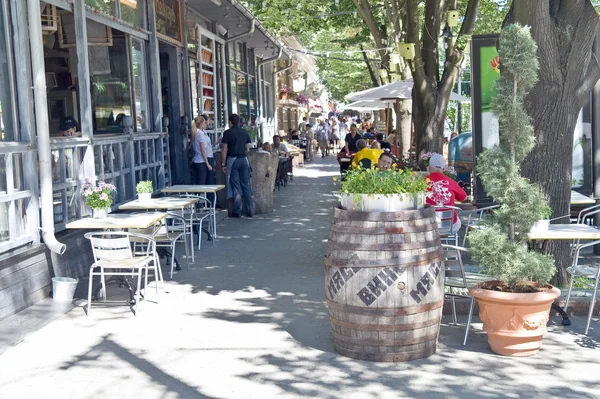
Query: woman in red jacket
(442, 189)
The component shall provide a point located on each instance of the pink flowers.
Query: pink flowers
(302, 99)
(99, 196)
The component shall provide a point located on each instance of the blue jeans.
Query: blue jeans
(240, 185)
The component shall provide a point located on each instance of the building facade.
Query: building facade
(134, 74)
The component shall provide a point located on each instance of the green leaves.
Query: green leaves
(500, 246)
(375, 181)
(144, 186)
(507, 260)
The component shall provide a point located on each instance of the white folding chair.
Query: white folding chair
(474, 217)
(113, 257)
(458, 281)
(445, 218)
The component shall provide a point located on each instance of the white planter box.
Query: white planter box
(144, 197)
(383, 203)
(541, 225)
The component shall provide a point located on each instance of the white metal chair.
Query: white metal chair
(203, 209)
(445, 218)
(113, 256)
(588, 275)
(458, 281)
(171, 230)
(474, 217)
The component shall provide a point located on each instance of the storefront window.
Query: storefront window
(8, 131)
(252, 102)
(168, 22)
(242, 86)
(233, 62)
(132, 11)
(194, 83)
(104, 6)
(111, 98)
(138, 56)
(239, 59)
(233, 91)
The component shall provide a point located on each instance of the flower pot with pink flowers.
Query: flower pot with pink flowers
(99, 197)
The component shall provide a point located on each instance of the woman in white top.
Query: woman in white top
(203, 161)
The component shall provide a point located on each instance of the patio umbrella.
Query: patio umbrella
(366, 105)
(399, 90)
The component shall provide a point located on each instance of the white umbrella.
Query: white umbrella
(401, 89)
(365, 105)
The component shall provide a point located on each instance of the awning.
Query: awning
(230, 14)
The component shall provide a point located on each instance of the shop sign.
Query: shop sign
(168, 21)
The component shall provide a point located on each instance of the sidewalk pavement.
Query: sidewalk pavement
(249, 321)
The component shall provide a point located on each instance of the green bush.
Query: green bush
(500, 246)
(375, 181)
(144, 186)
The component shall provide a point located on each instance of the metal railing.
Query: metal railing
(18, 206)
(122, 160)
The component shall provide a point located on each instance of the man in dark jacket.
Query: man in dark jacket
(236, 145)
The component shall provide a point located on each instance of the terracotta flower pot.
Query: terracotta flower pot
(515, 322)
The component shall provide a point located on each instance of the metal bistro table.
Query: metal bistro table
(164, 204)
(574, 232)
(199, 189)
(119, 221)
(579, 199)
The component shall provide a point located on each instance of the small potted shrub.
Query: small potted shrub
(98, 197)
(515, 308)
(144, 190)
(544, 222)
(374, 190)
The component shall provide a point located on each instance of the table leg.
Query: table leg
(165, 253)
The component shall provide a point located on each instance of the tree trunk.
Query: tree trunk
(431, 91)
(405, 127)
(564, 31)
(429, 124)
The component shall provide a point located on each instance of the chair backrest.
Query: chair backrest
(445, 218)
(453, 262)
(112, 247)
(203, 202)
(587, 213)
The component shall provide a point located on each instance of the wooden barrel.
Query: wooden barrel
(384, 283)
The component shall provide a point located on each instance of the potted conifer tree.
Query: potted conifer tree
(515, 308)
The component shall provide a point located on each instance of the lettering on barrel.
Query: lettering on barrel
(379, 284)
(340, 278)
(425, 283)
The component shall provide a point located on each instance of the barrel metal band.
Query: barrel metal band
(389, 312)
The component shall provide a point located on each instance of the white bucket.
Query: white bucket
(63, 288)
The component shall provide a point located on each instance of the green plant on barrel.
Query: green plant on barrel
(253, 133)
(375, 181)
(500, 246)
(144, 186)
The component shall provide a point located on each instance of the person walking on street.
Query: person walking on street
(236, 144)
(310, 136)
(302, 126)
(323, 138)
